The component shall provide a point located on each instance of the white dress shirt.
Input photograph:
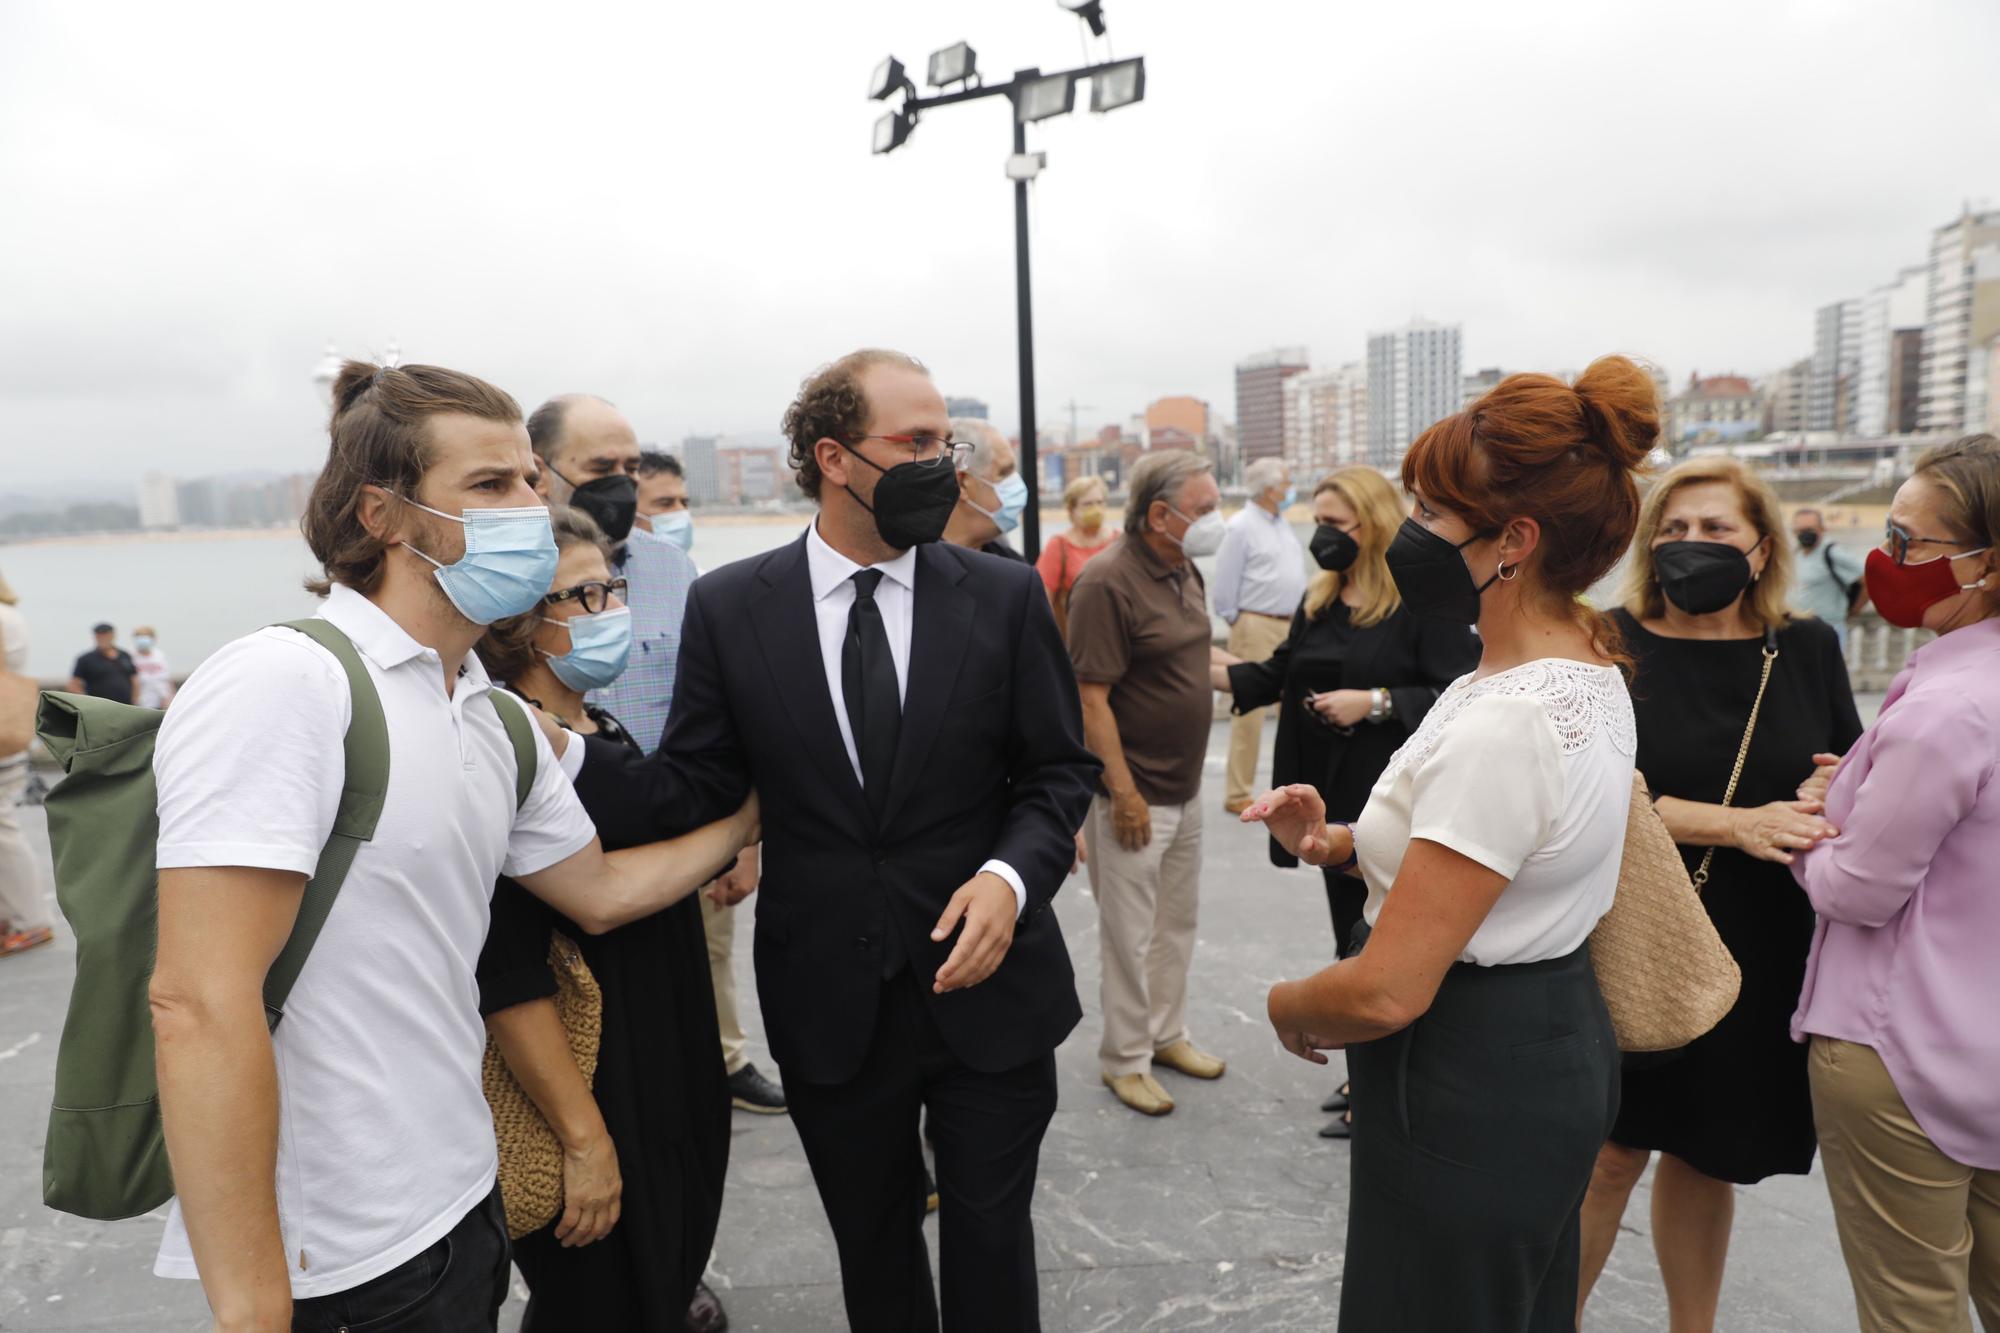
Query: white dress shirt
(895, 596)
(1261, 567)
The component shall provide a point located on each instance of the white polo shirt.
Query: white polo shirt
(384, 1138)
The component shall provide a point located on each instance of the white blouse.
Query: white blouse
(1529, 773)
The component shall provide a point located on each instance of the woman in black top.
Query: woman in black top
(1354, 677)
(645, 1146)
(1706, 601)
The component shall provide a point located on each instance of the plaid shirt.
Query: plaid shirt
(658, 576)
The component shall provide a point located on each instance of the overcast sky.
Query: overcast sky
(673, 205)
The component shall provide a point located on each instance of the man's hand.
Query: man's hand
(557, 733)
(1131, 821)
(592, 1190)
(986, 904)
(737, 883)
(1082, 854)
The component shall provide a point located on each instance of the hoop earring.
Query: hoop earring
(1500, 572)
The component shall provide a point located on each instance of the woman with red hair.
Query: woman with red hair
(1484, 1066)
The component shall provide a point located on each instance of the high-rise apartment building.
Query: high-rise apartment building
(159, 502)
(1785, 395)
(1183, 417)
(698, 461)
(1260, 401)
(1836, 365)
(1413, 382)
(1896, 307)
(972, 408)
(1475, 386)
(1326, 421)
(1957, 254)
(745, 473)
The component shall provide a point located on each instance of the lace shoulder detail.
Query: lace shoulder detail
(1583, 701)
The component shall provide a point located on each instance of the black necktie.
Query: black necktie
(868, 684)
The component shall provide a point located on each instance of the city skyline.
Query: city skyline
(191, 218)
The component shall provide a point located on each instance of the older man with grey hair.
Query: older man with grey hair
(1139, 639)
(1260, 579)
(991, 491)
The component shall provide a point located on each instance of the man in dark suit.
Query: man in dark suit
(906, 711)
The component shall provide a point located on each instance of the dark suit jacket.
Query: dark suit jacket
(991, 764)
(1411, 657)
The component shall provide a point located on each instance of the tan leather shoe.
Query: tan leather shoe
(1185, 1058)
(1140, 1092)
(1237, 806)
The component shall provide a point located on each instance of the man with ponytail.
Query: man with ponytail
(338, 1169)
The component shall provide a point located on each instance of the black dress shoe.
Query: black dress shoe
(705, 1312)
(1340, 1101)
(751, 1091)
(1340, 1127)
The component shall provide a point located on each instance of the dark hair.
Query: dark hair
(379, 436)
(831, 405)
(655, 462)
(508, 647)
(1534, 447)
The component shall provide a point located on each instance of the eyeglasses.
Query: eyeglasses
(928, 450)
(1899, 540)
(594, 596)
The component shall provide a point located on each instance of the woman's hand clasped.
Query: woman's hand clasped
(1343, 708)
(1780, 830)
(1814, 787)
(1296, 816)
(592, 1189)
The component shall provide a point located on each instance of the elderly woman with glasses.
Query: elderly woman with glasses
(1901, 990)
(644, 1146)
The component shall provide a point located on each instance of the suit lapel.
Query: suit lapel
(940, 624)
(788, 631)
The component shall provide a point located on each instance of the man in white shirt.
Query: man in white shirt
(156, 682)
(1260, 579)
(340, 1169)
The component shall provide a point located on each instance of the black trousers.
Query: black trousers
(455, 1286)
(1475, 1130)
(861, 1140)
(1345, 897)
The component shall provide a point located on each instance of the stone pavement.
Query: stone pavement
(1228, 1214)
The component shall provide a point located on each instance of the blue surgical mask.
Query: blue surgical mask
(599, 645)
(510, 561)
(1291, 498)
(1013, 496)
(677, 527)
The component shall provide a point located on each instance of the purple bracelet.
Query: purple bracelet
(1354, 848)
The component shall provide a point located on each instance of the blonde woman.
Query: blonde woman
(1068, 552)
(1705, 602)
(1354, 677)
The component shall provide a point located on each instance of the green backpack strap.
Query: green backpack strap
(521, 734)
(362, 792)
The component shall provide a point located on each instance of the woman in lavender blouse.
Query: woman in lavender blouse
(1902, 992)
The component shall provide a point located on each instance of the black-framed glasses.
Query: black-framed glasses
(1899, 540)
(594, 596)
(928, 450)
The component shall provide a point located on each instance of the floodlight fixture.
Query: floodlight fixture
(889, 76)
(1121, 85)
(954, 64)
(1054, 95)
(893, 129)
(1090, 11)
(1026, 166)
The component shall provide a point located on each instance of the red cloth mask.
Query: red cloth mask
(1902, 593)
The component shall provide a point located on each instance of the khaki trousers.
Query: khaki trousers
(1920, 1232)
(720, 925)
(1252, 638)
(1146, 903)
(23, 902)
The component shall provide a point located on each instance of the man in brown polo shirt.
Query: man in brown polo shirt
(1139, 638)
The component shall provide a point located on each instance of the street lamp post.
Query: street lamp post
(1033, 95)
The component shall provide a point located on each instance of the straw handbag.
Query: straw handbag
(1666, 975)
(531, 1160)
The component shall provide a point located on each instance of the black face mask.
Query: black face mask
(1700, 577)
(1808, 539)
(612, 503)
(1333, 549)
(913, 501)
(1432, 576)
